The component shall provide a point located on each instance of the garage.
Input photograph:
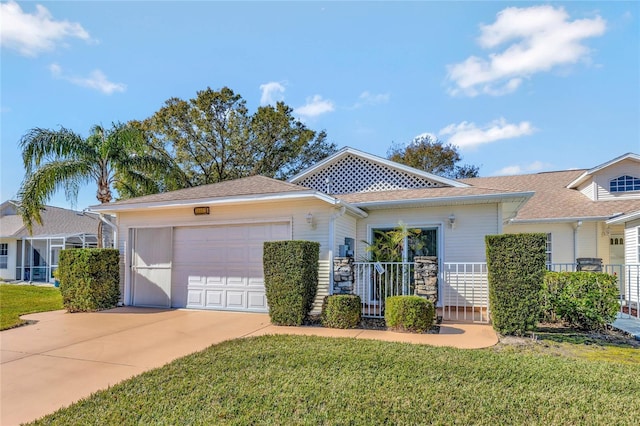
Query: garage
(212, 267)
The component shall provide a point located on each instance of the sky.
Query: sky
(518, 87)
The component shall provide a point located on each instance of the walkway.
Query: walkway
(65, 357)
(628, 324)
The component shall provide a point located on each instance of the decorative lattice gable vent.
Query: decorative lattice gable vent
(354, 174)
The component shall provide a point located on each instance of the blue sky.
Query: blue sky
(520, 87)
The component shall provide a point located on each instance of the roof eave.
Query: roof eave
(623, 218)
(241, 199)
(585, 175)
(559, 219)
(467, 199)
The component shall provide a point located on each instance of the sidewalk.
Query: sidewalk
(628, 324)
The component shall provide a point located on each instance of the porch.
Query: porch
(37, 257)
(460, 290)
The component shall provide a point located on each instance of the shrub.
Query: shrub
(89, 279)
(586, 300)
(409, 313)
(341, 311)
(516, 269)
(290, 279)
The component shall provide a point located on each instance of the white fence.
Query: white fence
(464, 289)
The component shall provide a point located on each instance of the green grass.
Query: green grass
(314, 380)
(16, 300)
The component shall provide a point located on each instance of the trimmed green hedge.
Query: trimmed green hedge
(341, 311)
(290, 279)
(587, 300)
(409, 313)
(516, 269)
(89, 279)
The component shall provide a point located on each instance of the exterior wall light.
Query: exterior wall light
(310, 220)
(452, 221)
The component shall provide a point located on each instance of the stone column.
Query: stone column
(343, 275)
(426, 277)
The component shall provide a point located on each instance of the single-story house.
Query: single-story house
(202, 247)
(34, 257)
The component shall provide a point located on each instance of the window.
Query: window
(548, 248)
(4, 255)
(624, 184)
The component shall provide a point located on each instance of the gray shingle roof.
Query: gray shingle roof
(552, 198)
(252, 185)
(55, 221)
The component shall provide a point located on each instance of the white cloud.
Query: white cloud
(96, 80)
(536, 166)
(535, 39)
(467, 134)
(31, 34)
(367, 98)
(272, 92)
(314, 107)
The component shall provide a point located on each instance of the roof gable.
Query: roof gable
(589, 173)
(352, 171)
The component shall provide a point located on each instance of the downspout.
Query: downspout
(575, 239)
(113, 227)
(332, 241)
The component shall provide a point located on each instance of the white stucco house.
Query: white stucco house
(34, 256)
(202, 247)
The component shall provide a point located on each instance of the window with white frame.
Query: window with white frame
(548, 248)
(624, 184)
(4, 255)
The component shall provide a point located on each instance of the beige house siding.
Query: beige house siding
(463, 243)
(345, 226)
(631, 249)
(10, 272)
(292, 211)
(602, 179)
(588, 189)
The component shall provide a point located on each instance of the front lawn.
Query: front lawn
(314, 380)
(16, 300)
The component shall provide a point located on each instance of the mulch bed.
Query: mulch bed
(369, 324)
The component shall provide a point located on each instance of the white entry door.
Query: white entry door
(151, 267)
(220, 267)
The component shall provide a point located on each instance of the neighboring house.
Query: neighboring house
(202, 247)
(34, 257)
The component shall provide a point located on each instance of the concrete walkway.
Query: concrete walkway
(628, 324)
(65, 357)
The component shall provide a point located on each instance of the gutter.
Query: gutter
(486, 198)
(560, 219)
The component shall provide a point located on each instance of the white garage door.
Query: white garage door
(221, 267)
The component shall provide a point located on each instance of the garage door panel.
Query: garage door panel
(214, 299)
(256, 300)
(235, 299)
(195, 299)
(226, 263)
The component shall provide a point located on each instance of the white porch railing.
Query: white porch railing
(465, 292)
(463, 288)
(628, 284)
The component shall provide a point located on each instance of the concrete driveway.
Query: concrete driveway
(65, 357)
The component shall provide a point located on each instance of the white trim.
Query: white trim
(470, 199)
(388, 163)
(586, 174)
(559, 220)
(620, 219)
(104, 208)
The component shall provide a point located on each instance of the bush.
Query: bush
(409, 313)
(516, 269)
(341, 311)
(290, 279)
(89, 279)
(586, 300)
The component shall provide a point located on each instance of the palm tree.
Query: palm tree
(62, 159)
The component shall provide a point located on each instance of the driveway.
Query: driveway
(65, 357)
